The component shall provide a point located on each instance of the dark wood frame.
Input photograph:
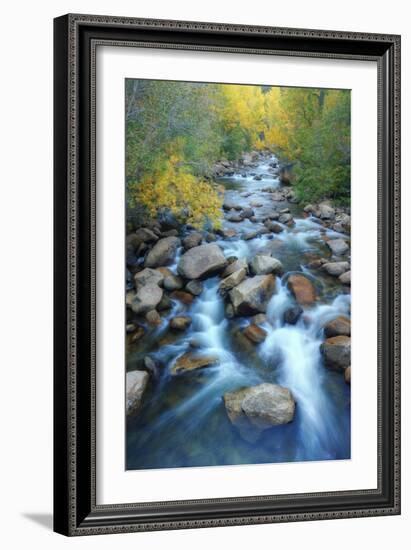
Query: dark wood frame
(75, 41)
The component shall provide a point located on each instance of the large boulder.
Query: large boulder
(340, 326)
(336, 268)
(336, 352)
(147, 298)
(136, 384)
(232, 280)
(302, 289)
(201, 261)
(191, 361)
(252, 295)
(163, 252)
(148, 276)
(262, 265)
(338, 246)
(255, 409)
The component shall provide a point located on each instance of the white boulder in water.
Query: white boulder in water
(136, 384)
(254, 409)
(201, 261)
(253, 294)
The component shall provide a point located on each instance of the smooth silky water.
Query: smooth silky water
(183, 422)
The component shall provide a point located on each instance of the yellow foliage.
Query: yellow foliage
(277, 122)
(244, 106)
(171, 186)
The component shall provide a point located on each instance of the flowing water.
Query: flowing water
(183, 422)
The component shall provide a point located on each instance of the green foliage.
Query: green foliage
(312, 128)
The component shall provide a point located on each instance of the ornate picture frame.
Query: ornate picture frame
(76, 39)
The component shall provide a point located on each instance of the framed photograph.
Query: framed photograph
(227, 278)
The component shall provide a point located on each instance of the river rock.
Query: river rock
(146, 235)
(163, 252)
(192, 240)
(231, 205)
(148, 276)
(142, 235)
(138, 333)
(194, 287)
(302, 289)
(227, 233)
(316, 264)
(255, 409)
(232, 280)
(146, 298)
(181, 322)
(235, 266)
(153, 317)
(337, 352)
(229, 311)
(210, 237)
(347, 375)
(234, 217)
(191, 361)
(251, 235)
(130, 327)
(182, 296)
(171, 281)
(262, 265)
(345, 278)
(258, 319)
(151, 367)
(344, 220)
(292, 314)
(247, 213)
(340, 326)
(285, 218)
(325, 211)
(136, 384)
(255, 333)
(201, 261)
(273, 226)
(337, 246)
(336, 268)
(165, 303)
(253, 294)
(272, 217)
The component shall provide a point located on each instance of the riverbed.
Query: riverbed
(183, 421)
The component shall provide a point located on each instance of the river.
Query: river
(183, 422)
